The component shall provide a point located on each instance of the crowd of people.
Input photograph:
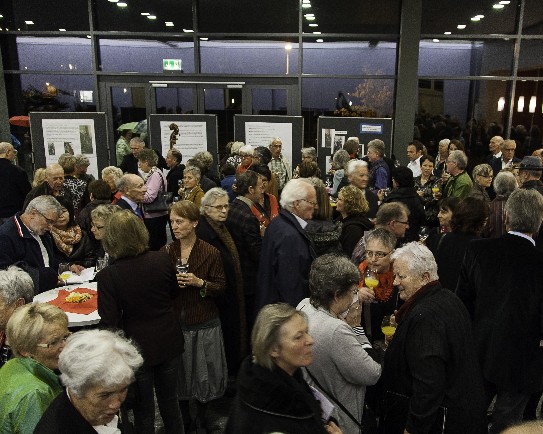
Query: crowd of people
(404, 299)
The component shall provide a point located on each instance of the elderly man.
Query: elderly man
(245, 230)
(501, 284)
(82, 164)
(16, 289)
(53, 185)
(431, 379)
(358, 175)
(25, 241)
(132, 190)
(279, 166)
(287, 251)
(495, 148)
(15, 185)
(507, 159)
(130, 161)
(379, 170)
(414, 152)
(529, 174)
(459, 184)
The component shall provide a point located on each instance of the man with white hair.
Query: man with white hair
(15, 185)
(459, 184)
(53, 185)
(278, 165)
(287, 251)
(501, 284)
(16, 289)
(25, 241)
(494, 147)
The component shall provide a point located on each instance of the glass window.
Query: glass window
(440, 17)
(349, 58)
(144, 16)
(247, 16)
(532, 23)
(269, 101)
(173, 100)
(461, 58)
(28, 53)
(352, 16)
(530, 62)
(138, 55)
(528, 116)
(40, 15)
(248, 57)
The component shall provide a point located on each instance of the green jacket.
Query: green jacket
(27, 388)
(459, 186)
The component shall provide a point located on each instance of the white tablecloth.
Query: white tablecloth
(74, 319)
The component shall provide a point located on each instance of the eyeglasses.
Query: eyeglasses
(377, 255)
(48, 220)
(220, 207)
(56, 343)
(310, 201)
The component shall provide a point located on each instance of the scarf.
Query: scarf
(384, 290)
(65, 239)
(150, 173)
(408, 305)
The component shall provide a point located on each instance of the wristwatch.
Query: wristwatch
(203, 288)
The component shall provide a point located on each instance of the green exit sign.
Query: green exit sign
(171, 64)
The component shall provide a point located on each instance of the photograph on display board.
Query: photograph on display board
(187, 137)
(339, 141)
(327, 134)
(85, 139)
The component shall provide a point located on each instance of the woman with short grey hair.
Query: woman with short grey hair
(482, 179)
(504, 184)
(339, 161)
(341, 366)
(96, 366)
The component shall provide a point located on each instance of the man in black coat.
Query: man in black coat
(501, 284)
(14, 182)
(130, 161)
(507, 159)
(175, 174)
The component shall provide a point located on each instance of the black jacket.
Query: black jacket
(15, 187)
(417, 217)
(61, 417)
(352, 229)
(273, 401)
(173, 177)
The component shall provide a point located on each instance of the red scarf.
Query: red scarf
(408, 305)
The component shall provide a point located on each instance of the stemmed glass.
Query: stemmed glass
(64, 271)
(424, 232)
(388, 327)
(371, 280)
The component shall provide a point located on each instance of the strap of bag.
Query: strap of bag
(334, 400)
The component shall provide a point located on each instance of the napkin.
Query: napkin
(84, 308)
(86, 276)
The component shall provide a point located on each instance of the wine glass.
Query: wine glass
(388, 327)
(64, 271)
(371, 280)
(424, 232)
(101, 263)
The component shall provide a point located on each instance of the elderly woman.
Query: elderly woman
(382, 299)
(339, 163)
(96, 366)
(100, 218)
(82, 164)
(272, 393)
(431, 377)
(379, 170)
(71, 244)
(155, 182)
(309, 155)
(135, 294)
(235, 159)
(112, 175)
(246, 153)
(482, 179)
(341, 366)
(504, 184)
(441, 159)
(425, 185)
(231, 304)
(467, 223)
(191, 189)
(77, 187)
(203, 374)
(28, 384)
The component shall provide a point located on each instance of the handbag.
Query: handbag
(162, 201)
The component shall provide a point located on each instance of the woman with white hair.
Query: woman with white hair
(431, 377)
(235, 159)
(191, 189)
(246, 153)
(96, 366)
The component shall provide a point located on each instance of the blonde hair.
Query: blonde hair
(39, 176)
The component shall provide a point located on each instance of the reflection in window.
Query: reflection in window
(349, 58)
(135, 55)
(461, 58)
(532, 23)
(531, 58)
(54, 54)
(269, 101)
(174, 100)
(237, 57)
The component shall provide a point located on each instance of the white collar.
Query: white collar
(520, 234)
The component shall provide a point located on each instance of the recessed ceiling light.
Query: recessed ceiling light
(113, 1)
(313, 25)
(461, 26)
(204, 39)
(505, 2)
(317, 33)
(145, 14)
(61, 30)
(306, 5)
(306, 1)
(169, 24)
(29, 22)
(309, 15)
(435, 40)
(498, 6)
(475, 19)
(122, 4)
(310, 18)
(151, 17)
(188, 30)
(447, 33)
(89, 36)
(480, 16)
(1, 16)
(320, 40)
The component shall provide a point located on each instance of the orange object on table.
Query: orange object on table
(83, 308)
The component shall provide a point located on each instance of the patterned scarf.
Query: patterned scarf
(65, 239)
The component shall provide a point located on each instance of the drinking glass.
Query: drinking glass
(371, 280)
(182, 268)
(388, 327)
(424, 232)
(64, 271)
(101, 263)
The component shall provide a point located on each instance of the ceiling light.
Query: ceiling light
(169, 24)
(317, 33)
(435, 40)
(61, 30)
(89, 36)
(313, 25)
(520, 106)
(122, 4)
(447, 33)
(498, 6)
(113, 1)
(461, 26)
(204, 39)
(1, 16)
(288, 47)
(505, 2)
(475, 19)
(145, 14)
(501, 103)
(188, 30)
(531, 106)
(151, 17)
(306, 1)
(320, 40)
(480, 16)
(306, 5)
(310, 18)
(29, 22)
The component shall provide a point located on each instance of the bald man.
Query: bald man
(14, 182)
(52, 186)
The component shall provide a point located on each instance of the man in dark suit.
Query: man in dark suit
(507, 159)
(132, 189)
(287, 251)
(495, 149)
(501, 284)
(130, 161)
(245, 230)
(175, 174)
(14, 182)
